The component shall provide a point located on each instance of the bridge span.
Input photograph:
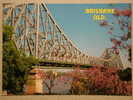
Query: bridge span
(38, 34)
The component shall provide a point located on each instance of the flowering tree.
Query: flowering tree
(105, 81)
(79, 84)
(122, 24)
(95, 81)
(99, 81)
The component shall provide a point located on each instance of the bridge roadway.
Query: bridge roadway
(61, 64)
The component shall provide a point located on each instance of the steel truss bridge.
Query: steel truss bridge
(38, 34)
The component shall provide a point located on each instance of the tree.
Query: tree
(79, 84)
(105, 81)
(100, 80)
(126, 74)
(121, 24)
(49, 78)
(15, 65)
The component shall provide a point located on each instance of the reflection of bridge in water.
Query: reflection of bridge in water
(38, 34)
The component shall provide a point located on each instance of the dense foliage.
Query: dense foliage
(15, 65)
(126, 74)
(93, 81)
(101, 81)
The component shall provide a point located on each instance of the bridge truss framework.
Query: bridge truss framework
(38, 34)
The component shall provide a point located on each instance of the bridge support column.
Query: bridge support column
(34, 83)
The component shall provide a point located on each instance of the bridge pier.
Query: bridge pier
(34, 83)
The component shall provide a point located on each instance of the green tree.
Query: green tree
(126, 74)
(15, 65)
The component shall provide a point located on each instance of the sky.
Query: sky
(85, 33)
